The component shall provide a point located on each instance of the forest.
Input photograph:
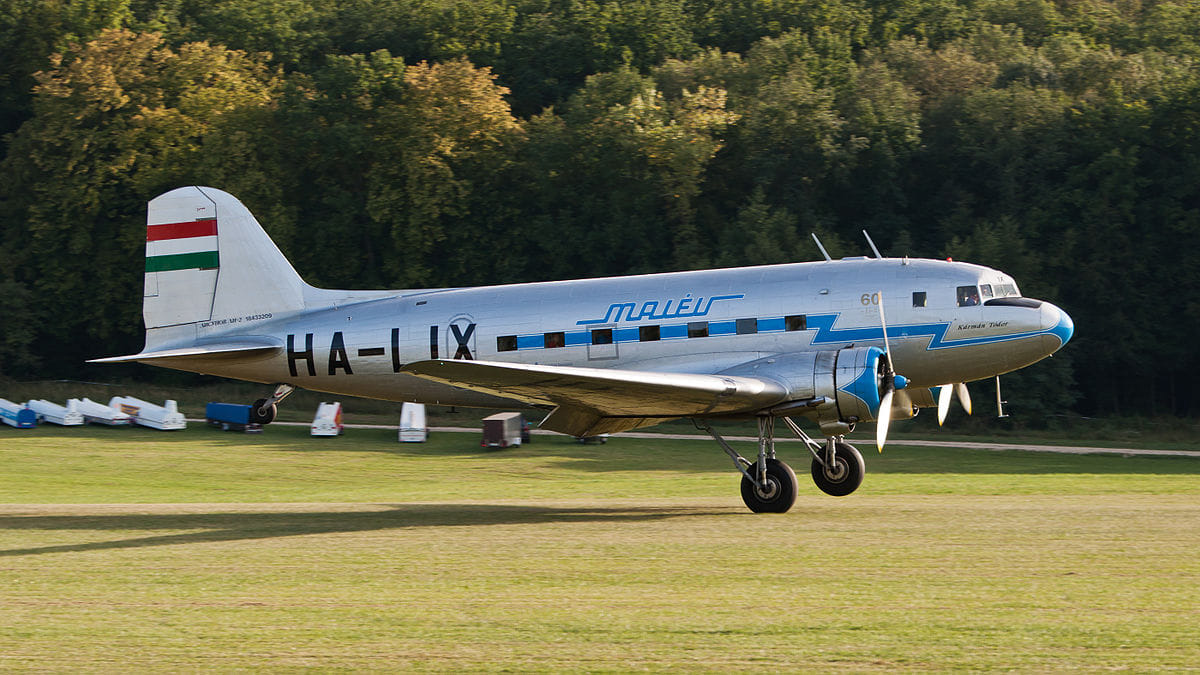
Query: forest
(427, 143)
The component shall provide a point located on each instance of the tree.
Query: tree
(32, 30)
(438, 142)
(557, 44)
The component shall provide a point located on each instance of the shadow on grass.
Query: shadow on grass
(219, 527)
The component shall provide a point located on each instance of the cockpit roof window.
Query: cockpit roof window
(968, 296)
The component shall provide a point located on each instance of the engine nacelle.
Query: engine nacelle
(858, 383)
(850, 381)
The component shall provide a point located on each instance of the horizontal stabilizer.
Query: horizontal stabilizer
(229, 349)
(588, 399)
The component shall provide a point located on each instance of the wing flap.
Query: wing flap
(588, 399)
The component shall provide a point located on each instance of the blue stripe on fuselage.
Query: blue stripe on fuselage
(827, 334)
(823, 324)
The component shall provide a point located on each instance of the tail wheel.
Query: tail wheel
(844, 475)
(778, 493)
(261, 413)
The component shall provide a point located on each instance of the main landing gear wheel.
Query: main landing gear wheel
(261, 413)
(844, 475)
(779, 492)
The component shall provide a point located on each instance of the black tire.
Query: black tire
(846, 475)
(781, 492)
(261, 413)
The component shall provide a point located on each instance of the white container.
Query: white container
(328, 421)
(412, 423)
(98, 413)
(48, 411)
(165, 417)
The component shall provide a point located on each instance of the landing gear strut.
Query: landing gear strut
(770, 486)
(263, 411)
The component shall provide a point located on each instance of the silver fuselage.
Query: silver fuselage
(708, 322)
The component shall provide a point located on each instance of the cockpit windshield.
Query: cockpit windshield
(969, 296)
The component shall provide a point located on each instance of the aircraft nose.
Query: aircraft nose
(1059, 325)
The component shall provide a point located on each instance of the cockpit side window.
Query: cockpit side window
(985, 290)
(968, 296)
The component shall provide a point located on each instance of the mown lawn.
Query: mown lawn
(134, 549)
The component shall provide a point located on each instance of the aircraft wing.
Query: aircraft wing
(592, 401)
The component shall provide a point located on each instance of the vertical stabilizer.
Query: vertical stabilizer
(208, 259)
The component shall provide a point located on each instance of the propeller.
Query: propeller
(891, 382)
(946, 392)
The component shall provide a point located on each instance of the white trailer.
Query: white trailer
(502, 430)
(48, 411)
(328, 421)
(412, 423)
(165, 417)
(98, 413)
(17, 415)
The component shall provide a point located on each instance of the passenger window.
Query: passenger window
(795, 322)
(986, 290)
(747, 326)
(602, 336)
(968, 296)
(918, 298)
(697, 329)
(553, 340)
(648, 333)
(506, 343)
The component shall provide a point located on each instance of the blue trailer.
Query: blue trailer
(231, 417)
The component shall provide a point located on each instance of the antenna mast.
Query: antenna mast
(823, 251)
(872, 244)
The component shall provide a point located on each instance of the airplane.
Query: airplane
(837, 342)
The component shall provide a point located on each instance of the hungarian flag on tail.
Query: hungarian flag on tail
(182, 246)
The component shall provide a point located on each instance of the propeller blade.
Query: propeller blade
(964, 396)
(945, 393)
(883, 322)
(885, 418)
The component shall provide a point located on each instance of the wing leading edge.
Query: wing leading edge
(591, 401)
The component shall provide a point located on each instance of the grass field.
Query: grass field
(132, 549)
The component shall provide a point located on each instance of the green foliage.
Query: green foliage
(1055, 140)
(436, 144)
(31, 31)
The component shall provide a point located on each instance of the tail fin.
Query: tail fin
(211, 271)
(208, 259)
